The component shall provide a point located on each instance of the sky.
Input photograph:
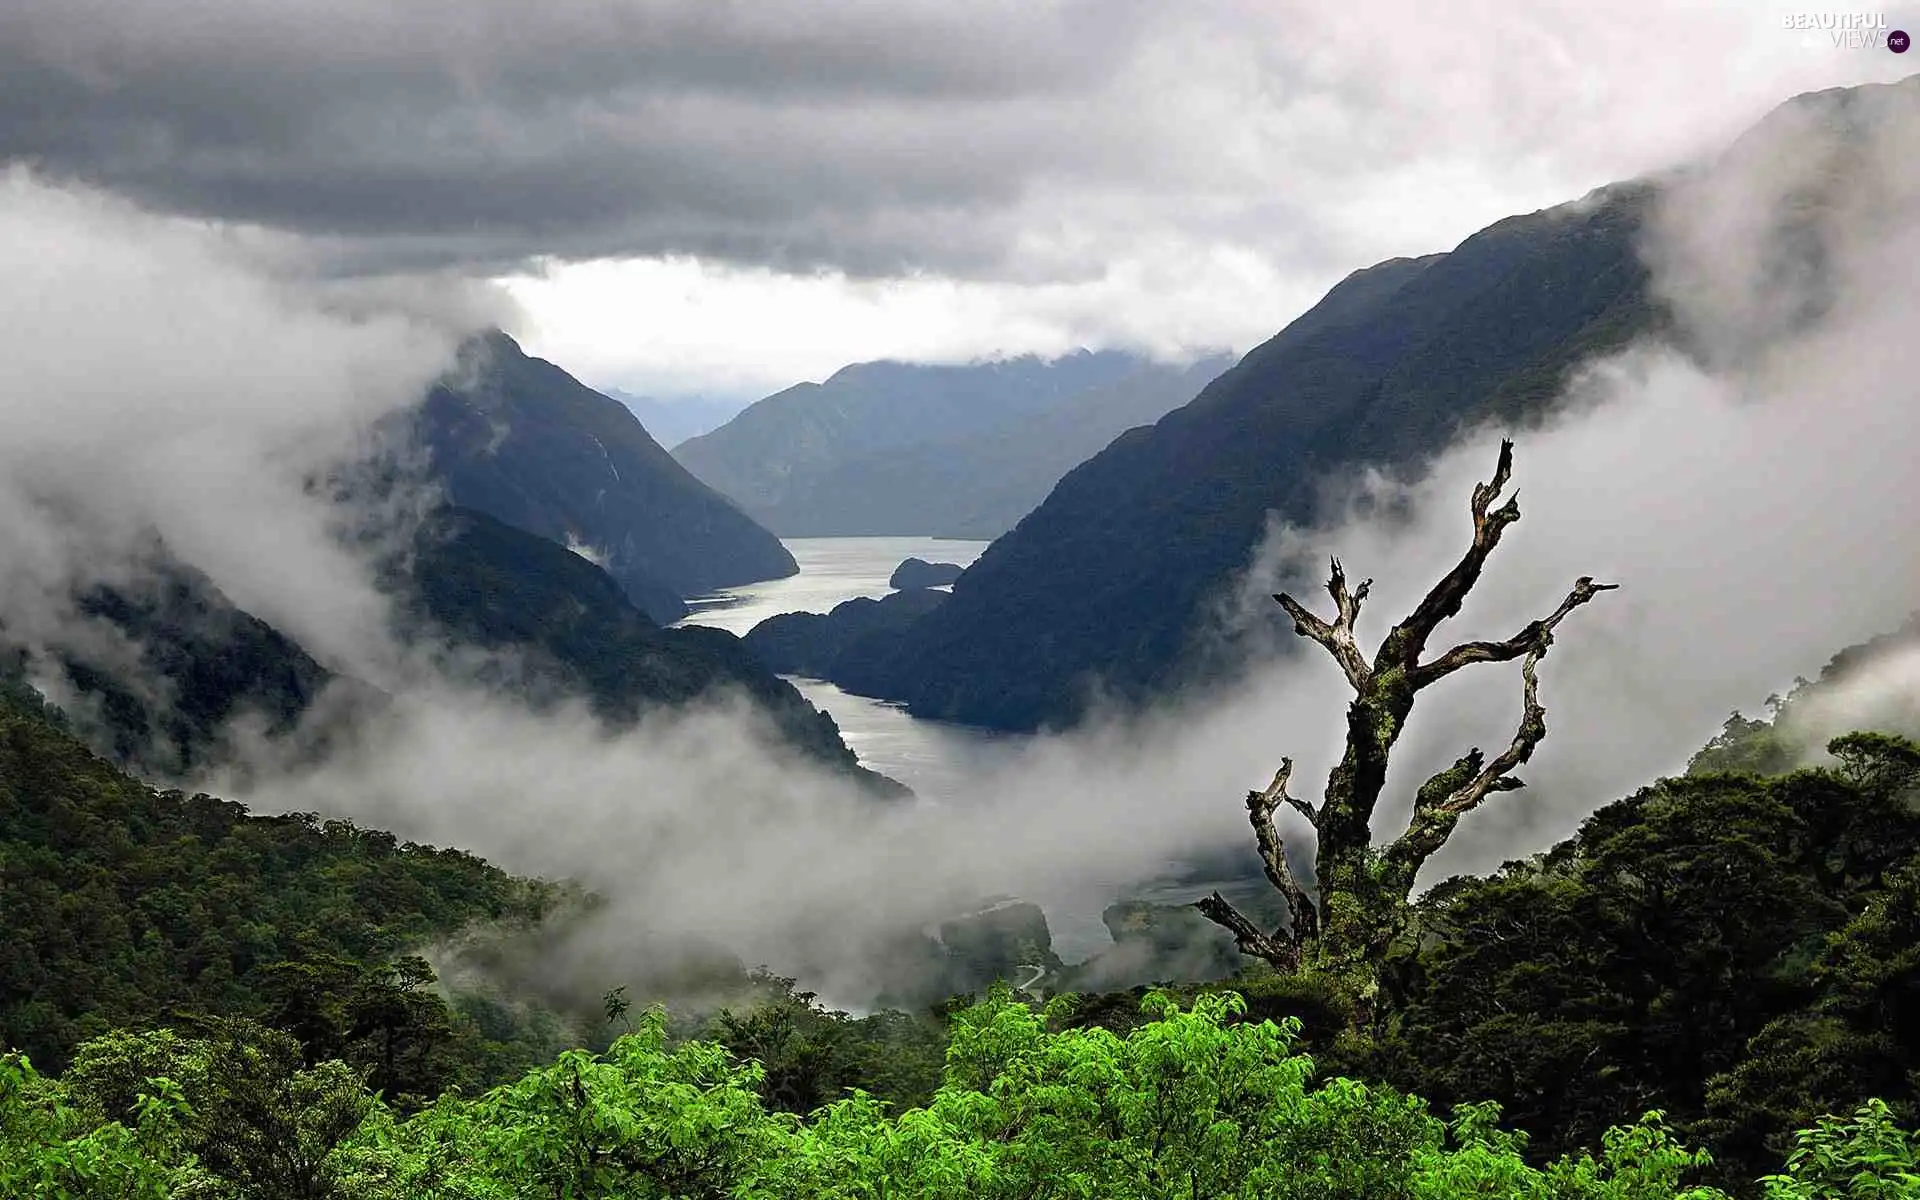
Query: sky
(690, 198)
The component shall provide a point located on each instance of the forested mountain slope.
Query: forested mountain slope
(165, 663)
(1108, 583)
(488, 584)
(1109, 576)
(160, 664)
(120, 903)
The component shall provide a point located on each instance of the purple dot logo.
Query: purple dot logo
(1898, 41)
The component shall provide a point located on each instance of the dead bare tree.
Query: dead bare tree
(1363, 890)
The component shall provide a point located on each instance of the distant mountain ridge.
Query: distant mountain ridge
(981, 485)
(521, 440)
(674, 421)
(893, 448)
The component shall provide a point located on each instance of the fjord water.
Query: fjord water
(931, 757)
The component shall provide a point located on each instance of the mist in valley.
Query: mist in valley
(1752, 496)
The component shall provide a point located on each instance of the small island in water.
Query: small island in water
(919, 573)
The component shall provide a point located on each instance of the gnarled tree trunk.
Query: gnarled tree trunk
(1363, 890)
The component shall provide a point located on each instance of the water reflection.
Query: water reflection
(831, 570)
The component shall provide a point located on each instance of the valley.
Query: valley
(1298, 616)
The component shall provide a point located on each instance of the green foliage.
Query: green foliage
(1194, 1103)
(51, 1150)
(810, 1055)
(265, 1124)
(1880, 763)
(1731, 949)
(18, 694)
(120, 904)
(1864, 1157)
(1746, 746)
(233, 1115)
(1854, 1040)
(637, 1121)
(1807, 718)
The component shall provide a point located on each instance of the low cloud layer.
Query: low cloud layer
(168, 378)
(1751, 500)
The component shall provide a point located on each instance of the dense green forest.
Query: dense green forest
(1193, 1104)
(122, 904)
(231, 1005)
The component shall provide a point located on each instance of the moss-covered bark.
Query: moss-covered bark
(1361, 908)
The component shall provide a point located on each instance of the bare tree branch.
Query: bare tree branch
(1363, 903)
(1467, 653)
(1304, 921)
(1337, 637)
(1451, 794)
(1408, 639)
(1282, 953)
(1495, 776)
(1304, 809)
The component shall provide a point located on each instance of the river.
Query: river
(931, 757)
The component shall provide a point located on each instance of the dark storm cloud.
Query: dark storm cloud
(1024, 142)
(487, 131)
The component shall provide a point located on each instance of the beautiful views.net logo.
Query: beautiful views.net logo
(1852, 31)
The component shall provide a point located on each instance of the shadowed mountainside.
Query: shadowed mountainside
(1111, 577)
(526, 443)
(488, 584)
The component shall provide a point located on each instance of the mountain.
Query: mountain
(674, 421)
(1110, 577)
(781, 457)
(521, 440)
(167, 662)
(979, 486)
(1109, 584)
(488, 584)
(1851, 693)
